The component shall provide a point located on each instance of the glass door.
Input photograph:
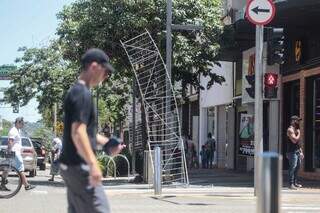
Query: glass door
(316, 124)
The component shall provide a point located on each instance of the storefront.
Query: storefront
(301, 95)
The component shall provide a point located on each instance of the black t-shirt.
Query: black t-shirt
(78, 107)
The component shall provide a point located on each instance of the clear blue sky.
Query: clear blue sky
(27, 23)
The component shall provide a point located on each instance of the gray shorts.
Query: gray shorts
(82, 198)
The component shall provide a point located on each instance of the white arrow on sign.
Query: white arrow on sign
(260, 12)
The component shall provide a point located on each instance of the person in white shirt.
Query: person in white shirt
(55, 151)
(15, 145)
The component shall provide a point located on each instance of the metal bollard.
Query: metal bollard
(270, 183)
(157, 172)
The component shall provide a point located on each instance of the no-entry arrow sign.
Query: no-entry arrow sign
(260, 12)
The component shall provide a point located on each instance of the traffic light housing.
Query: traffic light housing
(251, 81)
(270, 85)
(275, 40)
(15, 108)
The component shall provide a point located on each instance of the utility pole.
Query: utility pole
(169, 37)
(169, 28)
(258, 106)
(166, 130)
(134, 137)
(55, 119)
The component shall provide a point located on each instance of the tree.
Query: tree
(41, 73)
(47, 73)
(6, 125)
(103, 23)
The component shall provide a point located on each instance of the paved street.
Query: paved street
(200, 197)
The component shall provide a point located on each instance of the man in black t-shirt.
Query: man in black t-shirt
(294, 153)
(79, 166)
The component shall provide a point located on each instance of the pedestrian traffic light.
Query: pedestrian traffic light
(270, 85)
(251, 81)
(275, 39)
(15, 108)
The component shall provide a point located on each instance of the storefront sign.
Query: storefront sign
(298, 51)
(246, 135)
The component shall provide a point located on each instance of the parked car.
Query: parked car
(41, 152)
(28, 153)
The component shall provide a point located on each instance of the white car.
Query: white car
(28, 153)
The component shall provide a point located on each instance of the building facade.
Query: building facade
(214, 116)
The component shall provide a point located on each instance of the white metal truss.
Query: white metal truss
(160, 106)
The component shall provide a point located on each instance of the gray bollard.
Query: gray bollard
(270, 183)
(157, 171)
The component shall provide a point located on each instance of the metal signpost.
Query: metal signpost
(259, 13)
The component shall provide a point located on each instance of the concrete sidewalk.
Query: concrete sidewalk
(209, 191)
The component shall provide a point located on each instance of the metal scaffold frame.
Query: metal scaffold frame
(160, 107)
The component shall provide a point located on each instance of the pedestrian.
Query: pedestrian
(193, 161)
(204, 157)
(211, 145)
(15, 145)
(55, 153)
(78, 164)
(190, 150)
(185, 144)
(294, 152)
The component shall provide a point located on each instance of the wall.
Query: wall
(218, 94)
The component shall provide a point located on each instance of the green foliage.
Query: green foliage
(6, 125)
(106, 167)
(103, 23)
(42, 73)
(48, 72)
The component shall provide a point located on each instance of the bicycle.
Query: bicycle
(10, 178)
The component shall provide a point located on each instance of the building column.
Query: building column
(274, 128)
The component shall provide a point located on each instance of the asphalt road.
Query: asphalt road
(50, 197)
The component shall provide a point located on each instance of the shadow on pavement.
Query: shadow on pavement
(230, 178)
(46, 183)
(220, 177)
(165, 199)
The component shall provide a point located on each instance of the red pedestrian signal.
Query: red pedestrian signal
(270, 85)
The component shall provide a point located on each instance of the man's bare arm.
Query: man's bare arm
(102, 140)
(10, 143)
(293, 137)
(81, 141)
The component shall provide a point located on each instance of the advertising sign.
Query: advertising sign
(246, 135)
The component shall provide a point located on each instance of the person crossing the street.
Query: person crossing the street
(78, 164)
(15, 145)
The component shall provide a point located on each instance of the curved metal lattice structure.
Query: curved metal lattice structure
(160, 106)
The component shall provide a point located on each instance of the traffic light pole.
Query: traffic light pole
(258, 107)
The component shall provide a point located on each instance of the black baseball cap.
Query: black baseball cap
(97, 55)
(295, 118)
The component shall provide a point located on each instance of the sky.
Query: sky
(30, 23)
